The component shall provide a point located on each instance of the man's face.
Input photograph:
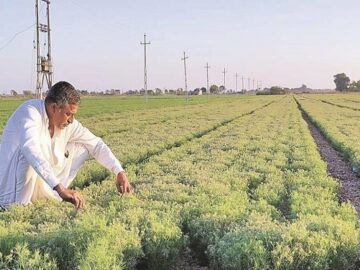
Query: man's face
(64, 115)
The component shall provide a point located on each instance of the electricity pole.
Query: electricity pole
(253, 84)
(224, 72)
(145, 69)
(242, 83)
(236, 76)
(184, 59)
(249, 84)
(207, 78)
(43, 63)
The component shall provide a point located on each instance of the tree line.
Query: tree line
(343, 83)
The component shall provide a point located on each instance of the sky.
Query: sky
(96, 44)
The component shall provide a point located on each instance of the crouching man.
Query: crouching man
(43, 147)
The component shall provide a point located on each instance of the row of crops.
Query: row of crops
(337, 116)
(239, 181)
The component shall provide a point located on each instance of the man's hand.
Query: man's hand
(122, 183)
(71, 196)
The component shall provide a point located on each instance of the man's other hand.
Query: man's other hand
(71, 196)
(122, 183)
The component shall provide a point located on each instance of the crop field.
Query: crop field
(238, 180)
(337, 116)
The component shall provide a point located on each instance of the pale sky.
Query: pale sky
(96, 44)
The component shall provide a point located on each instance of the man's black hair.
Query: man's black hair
(62, 93)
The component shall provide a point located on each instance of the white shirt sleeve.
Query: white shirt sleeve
(30, 126)
(96, 147)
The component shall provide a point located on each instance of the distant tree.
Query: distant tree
(27, 93)
(13, 93)
(203, 89)
(222, 89)
(355, 86)
(158, 91)
(341, 81)
(180, 91)
(214, 89)
(196, 91)
(276, 90)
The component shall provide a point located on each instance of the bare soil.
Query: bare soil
(338, 167)
(188, 262)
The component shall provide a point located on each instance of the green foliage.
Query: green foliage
(244, 186)
(341, 81)
(276, 90)
(318, 242)
(162, 241)
(214, 89)
(354, 86)
(21, 258)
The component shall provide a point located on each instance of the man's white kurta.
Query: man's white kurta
(27, 151)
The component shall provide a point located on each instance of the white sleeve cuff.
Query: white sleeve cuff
(118, 169)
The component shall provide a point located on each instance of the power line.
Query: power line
(15, 35)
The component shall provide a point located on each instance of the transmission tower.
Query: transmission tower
(236, 76)
(224, 72)
(184, 59)
(44, 60)
(145, 69)
(249, 84)
(242, 83)
(207, 78)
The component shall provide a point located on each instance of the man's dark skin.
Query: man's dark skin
(60, 117)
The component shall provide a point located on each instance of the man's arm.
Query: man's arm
(102, 153)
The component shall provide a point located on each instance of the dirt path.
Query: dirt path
(188, 262)
(338, 167)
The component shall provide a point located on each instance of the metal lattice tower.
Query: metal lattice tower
(236, 76)
(145, 68)
(224, 72)
(207, 78)
(184, 59)
(44, 59)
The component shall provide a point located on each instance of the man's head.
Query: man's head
(62, 102)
